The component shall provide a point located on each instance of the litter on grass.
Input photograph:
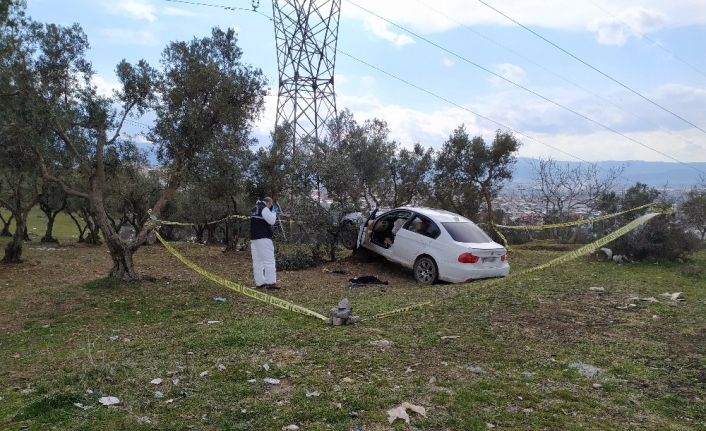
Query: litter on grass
(400, 412)
(109, 401)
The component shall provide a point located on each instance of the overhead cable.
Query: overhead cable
(664, 129)
(521, 86)
(660, 46)
(592, 67)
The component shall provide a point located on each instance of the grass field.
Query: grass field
(546, 351)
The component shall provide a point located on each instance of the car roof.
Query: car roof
(442, 216)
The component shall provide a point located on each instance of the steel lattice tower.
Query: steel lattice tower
(306, 32)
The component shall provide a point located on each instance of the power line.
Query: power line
(521, 86)
(254, 8)
(468, 110)
(592, 67)
(664, 129)
(463, 107)
(644, 36)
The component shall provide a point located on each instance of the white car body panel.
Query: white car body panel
(407, 246)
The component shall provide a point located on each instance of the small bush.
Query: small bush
(298, 258)
(660, 238)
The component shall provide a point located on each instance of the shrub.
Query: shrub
(660, 238)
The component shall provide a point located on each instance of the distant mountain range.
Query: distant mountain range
(654, 174)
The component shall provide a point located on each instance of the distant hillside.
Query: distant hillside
(654, 174)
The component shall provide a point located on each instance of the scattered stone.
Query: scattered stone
(596, 386)
(477, 370)
(380, 343)
(144, 420)
(342, 314)
(597, 289)
(290, 428)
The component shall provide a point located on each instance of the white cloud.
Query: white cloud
(177, 12)
(508, 71)
(448, 62)
(122, 36)
(103, 87)
(132, 8)
(379, 29)
(429, 16)
(612, 31)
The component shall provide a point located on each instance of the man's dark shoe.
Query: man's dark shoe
(262, 286)
(272, 286)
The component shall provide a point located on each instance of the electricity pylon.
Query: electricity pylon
(306, 32)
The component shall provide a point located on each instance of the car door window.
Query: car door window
(424, 226)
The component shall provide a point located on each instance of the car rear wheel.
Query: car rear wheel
(425, 270)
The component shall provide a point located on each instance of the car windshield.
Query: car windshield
(466, 232)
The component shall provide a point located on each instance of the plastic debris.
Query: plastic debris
(290, 428)
(271, 381)
(211, 322)
(674, 296)
(109, 401)
(401, 412)
(313, 394)
(81, 406)
(203, 374)
(185, 394)
(221, 367)
(450, 337)
(156, 381)
(266, 366)
(144, 420)
(219, 299)
(158, 394)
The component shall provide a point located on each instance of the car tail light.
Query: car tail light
(468, 258)
(503, 258)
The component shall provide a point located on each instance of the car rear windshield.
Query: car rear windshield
(466, 232)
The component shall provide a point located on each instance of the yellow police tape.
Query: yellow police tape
(234, 216)
(264, 297)
(269, 299)
(562, 259)
(657, 207)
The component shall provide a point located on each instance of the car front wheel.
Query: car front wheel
(349, 236)
(425, 270)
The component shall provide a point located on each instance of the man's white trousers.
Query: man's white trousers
(263, 261)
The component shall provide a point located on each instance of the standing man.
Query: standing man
(261, 246)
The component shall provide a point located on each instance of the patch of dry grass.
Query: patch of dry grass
(484, 353)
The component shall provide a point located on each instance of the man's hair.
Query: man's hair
(267, 200)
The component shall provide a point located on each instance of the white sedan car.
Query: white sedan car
(436, 244)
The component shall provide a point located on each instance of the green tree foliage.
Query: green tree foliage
(693, 211)
(469, 174)
(663, 237)
(354, 165)
(203, 95)
(407, 180)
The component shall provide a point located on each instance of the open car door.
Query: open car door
(364, 228)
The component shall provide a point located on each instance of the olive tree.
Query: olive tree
(202, 91)
(469, 174)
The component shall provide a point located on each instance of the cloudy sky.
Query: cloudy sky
(579, 80)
